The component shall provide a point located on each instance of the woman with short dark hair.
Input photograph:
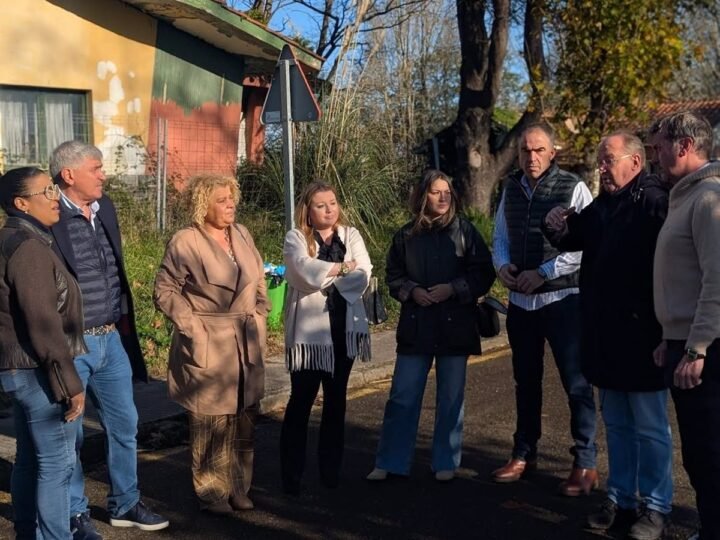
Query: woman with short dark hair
(41, 331)
(437, 267)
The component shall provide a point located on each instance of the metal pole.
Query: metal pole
(163, 213)
(158, 175)
(287, 135)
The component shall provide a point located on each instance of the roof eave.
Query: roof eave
(187, 15)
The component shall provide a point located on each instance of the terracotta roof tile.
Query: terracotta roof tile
(710, 108)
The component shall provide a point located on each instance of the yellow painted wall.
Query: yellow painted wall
(102, 46)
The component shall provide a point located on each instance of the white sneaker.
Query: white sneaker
(444, 476)
(377, 475)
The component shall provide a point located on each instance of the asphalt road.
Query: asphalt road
(471, 506)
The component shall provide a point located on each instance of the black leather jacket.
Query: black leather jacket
(455, 254)
(41, 319)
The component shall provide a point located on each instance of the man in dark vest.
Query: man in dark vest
(87, 239)
(544, 305)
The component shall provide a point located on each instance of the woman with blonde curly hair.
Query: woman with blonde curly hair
(211, 285)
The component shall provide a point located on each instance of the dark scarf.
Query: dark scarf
(333, 252)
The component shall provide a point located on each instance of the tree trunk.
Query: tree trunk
(480, 159)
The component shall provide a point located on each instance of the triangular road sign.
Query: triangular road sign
(303, 105)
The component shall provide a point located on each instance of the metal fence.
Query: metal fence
(150, 158)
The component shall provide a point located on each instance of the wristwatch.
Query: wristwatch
(693, 354)
(344, 269)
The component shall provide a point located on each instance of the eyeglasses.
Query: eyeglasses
(609, 162)
(51, 192)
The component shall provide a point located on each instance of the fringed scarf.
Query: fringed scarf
(308, 339)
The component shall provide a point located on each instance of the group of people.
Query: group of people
(67, 330)
(625, 288)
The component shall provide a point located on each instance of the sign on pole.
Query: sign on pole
(304, 107)
(289, 99)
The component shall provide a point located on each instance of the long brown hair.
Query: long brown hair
(418, 203)
(302, 212)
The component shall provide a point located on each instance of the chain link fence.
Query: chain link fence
(152, 159)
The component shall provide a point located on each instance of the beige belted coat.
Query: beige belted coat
(219, 312)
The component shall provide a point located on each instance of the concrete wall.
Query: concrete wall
(102, 47)
(134, 70)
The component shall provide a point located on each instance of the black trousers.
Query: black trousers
(557, 323)
(698, 416)
(331, 442)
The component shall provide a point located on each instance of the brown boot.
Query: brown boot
(220, 508)
(241, 501)
(580, 482)
(513, 470)
(246, 444)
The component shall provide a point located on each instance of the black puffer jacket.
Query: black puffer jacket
(41, 319)
(617, 235)
(455, 254)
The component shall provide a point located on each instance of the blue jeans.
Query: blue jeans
(106, 373)
(402, 413)
(639, 448)
(45, 456)
(559, 324)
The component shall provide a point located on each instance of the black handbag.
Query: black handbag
(488, 321)
(374, 306)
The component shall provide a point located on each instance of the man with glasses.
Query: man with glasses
(544, 305)
(687, 301)
(617, 234)
(87, 239)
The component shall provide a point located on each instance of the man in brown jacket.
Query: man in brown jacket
(687, 300)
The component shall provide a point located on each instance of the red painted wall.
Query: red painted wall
(205, 141)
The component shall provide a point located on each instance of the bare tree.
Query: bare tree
(336, 16)
(410, 78)
(699, 77)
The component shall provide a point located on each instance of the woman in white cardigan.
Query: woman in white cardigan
(326, 329)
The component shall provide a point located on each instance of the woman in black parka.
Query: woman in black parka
(437, 267)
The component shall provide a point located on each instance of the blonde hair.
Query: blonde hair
(302, 212)
(198, 192)
(418, 203)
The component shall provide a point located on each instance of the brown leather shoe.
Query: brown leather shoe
(513, 470)
(221, 508)
(241, 502)
(580, 482)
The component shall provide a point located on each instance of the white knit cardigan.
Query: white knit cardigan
(308, 342)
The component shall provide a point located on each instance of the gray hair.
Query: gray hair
(631, 143)
(70, 154)
(686, 124)
(545, 128)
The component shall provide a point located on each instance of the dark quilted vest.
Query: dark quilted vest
(97, 270)
(528, 246)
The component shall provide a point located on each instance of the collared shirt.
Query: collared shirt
(565, 263)
(94, 207)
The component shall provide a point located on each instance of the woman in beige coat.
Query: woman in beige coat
(211, 285)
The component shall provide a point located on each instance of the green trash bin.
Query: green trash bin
(276, 290)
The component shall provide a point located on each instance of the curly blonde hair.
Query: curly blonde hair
(198, 192)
